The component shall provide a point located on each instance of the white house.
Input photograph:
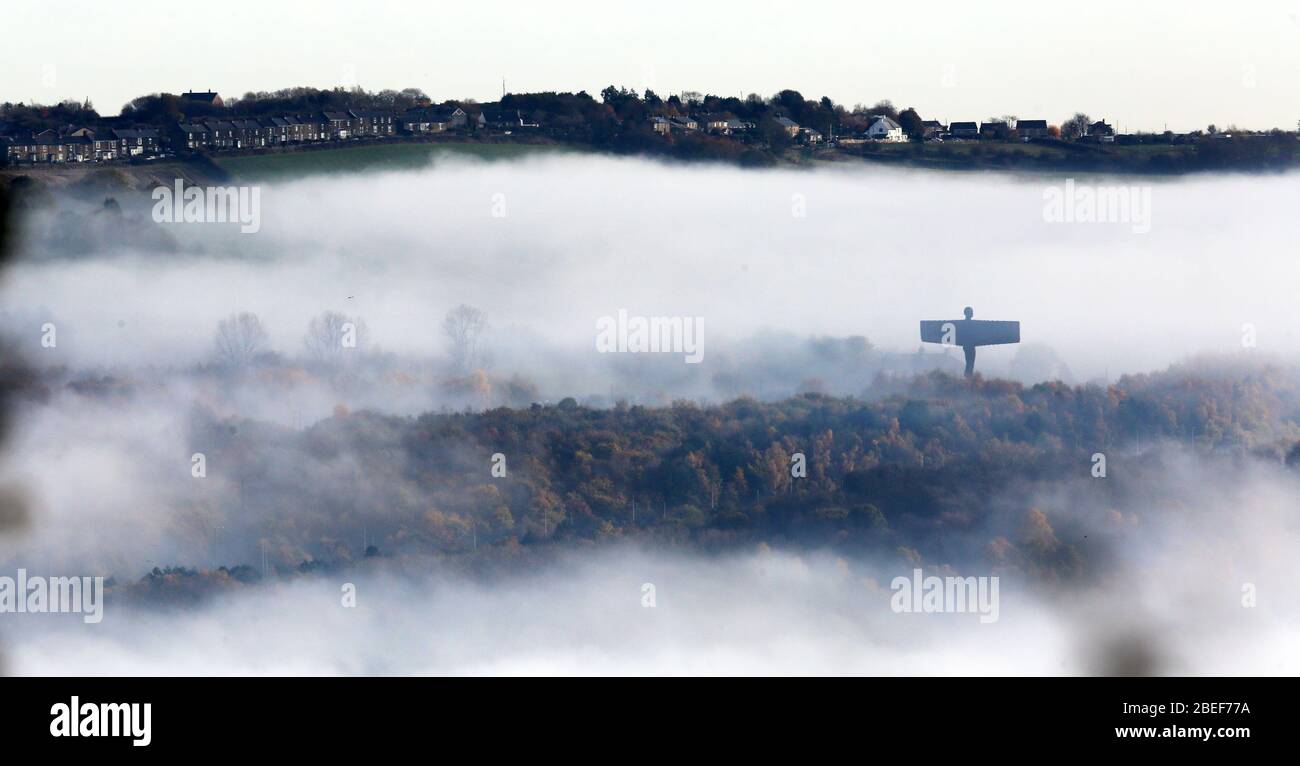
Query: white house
(885, 129)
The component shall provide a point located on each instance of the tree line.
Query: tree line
(917, 472)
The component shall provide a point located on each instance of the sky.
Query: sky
(1140, 66)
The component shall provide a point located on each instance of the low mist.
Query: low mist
(547, 246)
(809, 284)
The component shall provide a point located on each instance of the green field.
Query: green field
(1033, 157)
(394, 156)
(968, 149)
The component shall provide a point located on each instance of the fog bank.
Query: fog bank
(547, 246)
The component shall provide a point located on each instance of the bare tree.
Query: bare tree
(239, 339)
(1076, 127)
(463, 326)
(333, 337)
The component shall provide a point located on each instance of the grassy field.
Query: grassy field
(394, 156)
(1013, 149)
(1031, 157)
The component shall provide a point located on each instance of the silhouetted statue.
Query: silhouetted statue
(969, 333)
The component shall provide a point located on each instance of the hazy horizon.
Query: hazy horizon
(780, 255)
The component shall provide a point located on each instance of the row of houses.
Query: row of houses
(88, 144)
(253, 133)
(82, 145)
(727, 125)
(718, 124)
(883, 128)
(1024, 129)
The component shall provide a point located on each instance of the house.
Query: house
(433, 120)
(506, 119)
(248, 134)
(1032, 128)
(104, 146)
(714, 122)
(418, 120)
(377, 123)
(501, 119)
(311, 127)
(932, 129)
(207, 98)
(358, 125)
(318, 127)
(790, 127)
(16, 149)
(809, 136)
(135, 142)
(48, 147)
(964, 129)
(221, 134)
(279, 130)
(338, 125)
(885, 129)
(685, 123)
(660, 125)
(191, 136)
(295, 129)
(273, 129)
(77, 148)
(269, 130)
(452, 118)
(995, 129)
(1100, 132)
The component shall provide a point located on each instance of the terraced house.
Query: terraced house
(191, 136)
(45, 147)
(222, 134)
(132, 142)
(338, 125)
(375, 123)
